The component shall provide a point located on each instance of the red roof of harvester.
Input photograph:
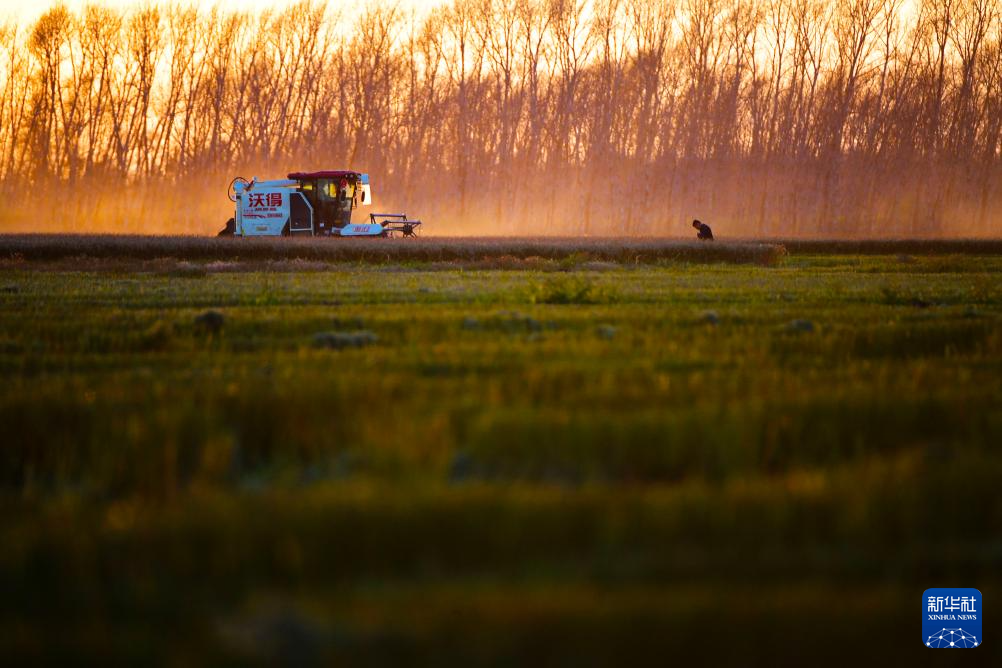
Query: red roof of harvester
(326, 174)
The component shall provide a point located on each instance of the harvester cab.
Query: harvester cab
(310, 204)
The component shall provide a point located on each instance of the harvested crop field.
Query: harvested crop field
(63, 247)
(442, 452)
(425, 249)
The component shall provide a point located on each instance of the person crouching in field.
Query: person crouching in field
(703, 231)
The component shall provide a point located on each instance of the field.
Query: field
(500, 452)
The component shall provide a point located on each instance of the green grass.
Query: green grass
(572, 464)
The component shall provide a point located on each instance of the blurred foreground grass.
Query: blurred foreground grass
(604, 463)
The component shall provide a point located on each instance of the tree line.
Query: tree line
(776, 117)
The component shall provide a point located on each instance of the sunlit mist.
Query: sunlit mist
(584, 117)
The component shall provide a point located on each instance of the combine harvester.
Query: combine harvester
(317, 204)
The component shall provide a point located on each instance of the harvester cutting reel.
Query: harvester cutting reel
(395, 223)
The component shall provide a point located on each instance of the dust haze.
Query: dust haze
(797, 118)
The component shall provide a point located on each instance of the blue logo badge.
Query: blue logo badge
(951, 617)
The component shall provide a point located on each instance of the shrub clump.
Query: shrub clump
(185, 269)
(341, 340)
(607, 332)
(210, 321)
(568, 290)
(800, 325)
(157, 336)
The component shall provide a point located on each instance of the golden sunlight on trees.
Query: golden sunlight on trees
(778, 117)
